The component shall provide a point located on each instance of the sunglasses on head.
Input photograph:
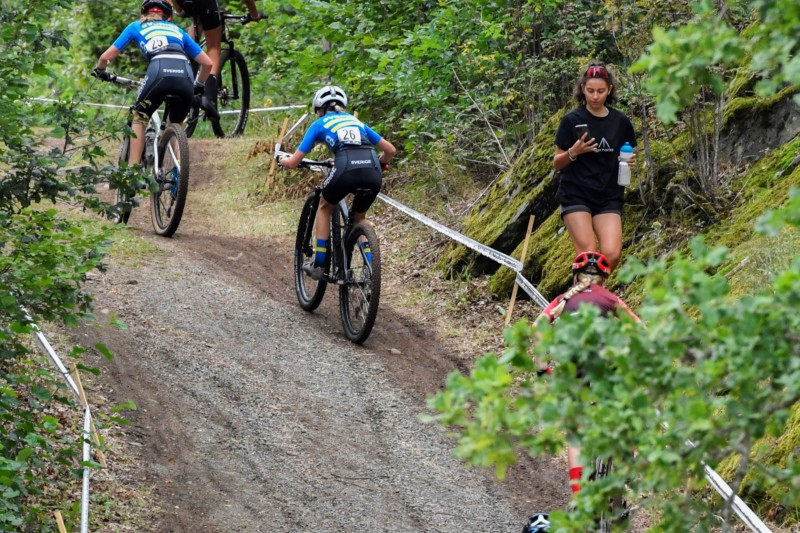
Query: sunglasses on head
(597, 72)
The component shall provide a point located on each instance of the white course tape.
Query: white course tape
(482, 249)
(87, 456)
(741, 509)
(236, 111)
(528, 287)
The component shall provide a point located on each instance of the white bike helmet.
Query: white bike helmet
(328, 94)
(537, 523)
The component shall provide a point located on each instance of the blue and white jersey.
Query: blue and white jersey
(157, 36)
(337, 131)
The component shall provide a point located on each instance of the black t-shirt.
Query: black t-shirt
(596, 171)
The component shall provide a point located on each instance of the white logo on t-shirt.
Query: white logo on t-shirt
(603, 146)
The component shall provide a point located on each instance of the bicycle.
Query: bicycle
(233, 89)
(166, 158)
(618, 510)
(354, 262)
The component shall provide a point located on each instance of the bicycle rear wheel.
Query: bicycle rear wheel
(172, 179)
(360, 294)
(309, 292)
(233, 95)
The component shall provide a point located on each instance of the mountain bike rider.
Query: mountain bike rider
(166, 46)
(357, 168)
(209, 22)
(589, 272)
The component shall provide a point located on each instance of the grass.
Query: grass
(232, 203)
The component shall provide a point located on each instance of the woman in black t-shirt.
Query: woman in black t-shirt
(588, 141)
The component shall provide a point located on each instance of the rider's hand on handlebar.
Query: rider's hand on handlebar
(199, 88)
(102, 74)
(384, 167)
(251, 18)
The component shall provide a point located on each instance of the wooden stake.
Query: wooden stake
(60, 521)
(522, 259)
(271, 174)
(76, 377)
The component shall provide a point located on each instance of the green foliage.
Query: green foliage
(718, 372)
(44, 258)
(682, 61)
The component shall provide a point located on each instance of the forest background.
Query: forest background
(465, 89)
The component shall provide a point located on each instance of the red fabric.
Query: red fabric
(575, 475)
(605, 300)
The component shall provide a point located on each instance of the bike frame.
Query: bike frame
(155, 119)
(338, 236)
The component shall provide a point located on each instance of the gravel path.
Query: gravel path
(252, 417)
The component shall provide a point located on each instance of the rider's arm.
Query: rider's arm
(306, 145)
(251, 8)
(388, 150)
(205, 66)
(111, 53)
(293, 160)
(176, 5)
(623, 305)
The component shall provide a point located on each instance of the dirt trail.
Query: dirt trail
(257, 416)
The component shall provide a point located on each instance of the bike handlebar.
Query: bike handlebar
(119, 80)
(244, 19)
(305, 162)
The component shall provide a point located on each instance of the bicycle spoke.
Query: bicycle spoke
(360, 294)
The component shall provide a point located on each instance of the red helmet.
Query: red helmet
(593, 263)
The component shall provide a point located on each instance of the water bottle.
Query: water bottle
(624, 176)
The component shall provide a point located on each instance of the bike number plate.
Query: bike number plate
(349, 135)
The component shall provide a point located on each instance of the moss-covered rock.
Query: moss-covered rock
(500, 219)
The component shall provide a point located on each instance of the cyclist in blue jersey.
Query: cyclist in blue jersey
(357, 168)
(167, 47)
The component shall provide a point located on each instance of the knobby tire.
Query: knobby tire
(123, 201)
(233, 94)
(173, 181)
(309, 292)
(360, 295)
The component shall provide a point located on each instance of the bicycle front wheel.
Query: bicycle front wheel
(617, 506)
(309, 292)
(361, 292)
(173, 181)
(233, 96)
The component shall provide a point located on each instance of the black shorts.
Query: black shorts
(598, 204)
(206, 12)
(170, 77)
(356, 171)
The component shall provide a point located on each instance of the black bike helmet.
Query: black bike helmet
(593, 263)
(537, 523)
(160, 5)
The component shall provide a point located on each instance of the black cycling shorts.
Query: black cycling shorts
(356, 171)
(573, 202)
(168, 75)
(206, 11)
